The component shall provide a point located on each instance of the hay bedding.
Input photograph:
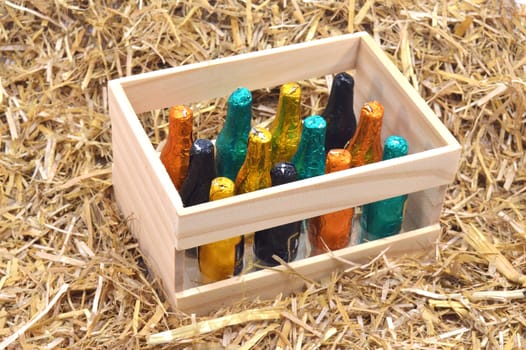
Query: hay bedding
(71, 274)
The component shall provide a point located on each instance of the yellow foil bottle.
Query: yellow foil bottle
(334, 229)
(286, 126)
(255, 172)
(175, 154)
(366, 144)
(223, 259)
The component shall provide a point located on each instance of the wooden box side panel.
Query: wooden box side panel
(424, 208)
(267, 68)
(406, 113)
(139, 192)
(269, 283)
(315, 196)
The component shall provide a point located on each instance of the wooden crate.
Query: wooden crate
(164, 228)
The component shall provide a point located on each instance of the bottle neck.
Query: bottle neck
(179, 132)
(237, 123)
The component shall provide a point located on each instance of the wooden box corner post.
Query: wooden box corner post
(164, 228)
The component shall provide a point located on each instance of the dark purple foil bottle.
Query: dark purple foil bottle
(281, 240)
(339, 112)
(201, 171)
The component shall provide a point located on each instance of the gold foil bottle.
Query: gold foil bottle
(175, 154)
(334, 229)
(220, 260)
(255, 171)
(286, 126)
(366, 144)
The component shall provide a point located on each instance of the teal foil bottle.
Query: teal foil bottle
(309, 159)
(339, 113)
(231, 143)
(282, 240)
(384, 218)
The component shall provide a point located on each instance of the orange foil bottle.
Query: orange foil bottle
(366, 144)
(175, 154)
(334, 229)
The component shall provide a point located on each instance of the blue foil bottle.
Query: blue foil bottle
(309, 159)
(384, 218)
(231, 143)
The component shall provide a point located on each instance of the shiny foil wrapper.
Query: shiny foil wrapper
(231, 143)
(223, 259)
(334, 229)
(366, 144)
(255, 171)
(175, 154)
(282, 240)
(339, 112)
(309, 159)
(286, 126)
(384, 218)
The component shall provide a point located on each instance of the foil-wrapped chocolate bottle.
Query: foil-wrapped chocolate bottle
(223, 259)
(282, 240)
(333, 230)
(366, 144)
(196, 186)
(339, 112)
(231, 143)
(175, 154)
(255, 171)
(286, 126)
(201, 170)
(384, 218)
(309, 159)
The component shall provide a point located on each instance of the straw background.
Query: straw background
(71, 273)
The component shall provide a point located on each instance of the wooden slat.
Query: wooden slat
(134, 182)
(291, 202)
(159, 257)
(267, 283)
(127, 129)
(267, 68)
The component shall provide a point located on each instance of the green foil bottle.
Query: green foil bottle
(384, 218)
(282, 240)
(339, 113)
(231, 143)
(286, 126)
(309, 159)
